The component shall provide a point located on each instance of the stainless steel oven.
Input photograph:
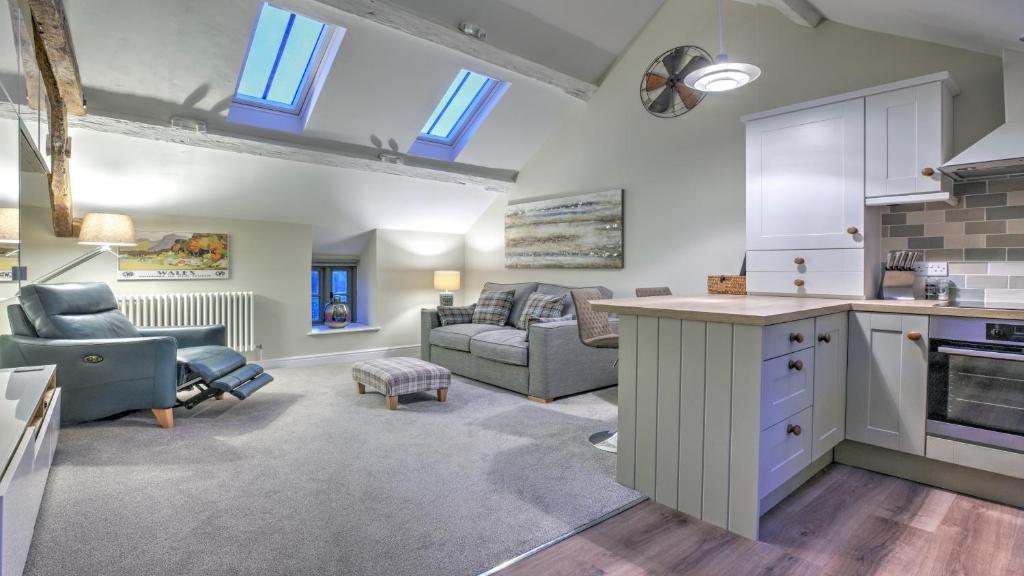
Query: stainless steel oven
(976, 381)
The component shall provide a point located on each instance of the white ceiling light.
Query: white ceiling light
(723, 75)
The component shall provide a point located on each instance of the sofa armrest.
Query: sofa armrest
(429, 319)
(104, 376)
(561, 364)
(191, 336)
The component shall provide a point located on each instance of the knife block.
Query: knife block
(898, 285)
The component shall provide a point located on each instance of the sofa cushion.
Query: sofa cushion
(539, 306)
(568, 309)
(505, 346)
(457, 336)
(75, 311)
(449, 315)
(522, 292)
(493, 307)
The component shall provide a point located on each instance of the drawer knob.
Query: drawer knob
(798, 282)
(796, 337)
(826, 338)
(796, 365)
(794, 429)
(852, 230)
(929, 172)
(915, 336)
(799, 260)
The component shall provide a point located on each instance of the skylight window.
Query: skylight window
(288, 59)
(465, 105)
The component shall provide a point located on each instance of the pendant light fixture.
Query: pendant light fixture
(723, 75)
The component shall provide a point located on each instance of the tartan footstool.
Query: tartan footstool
(393, 377)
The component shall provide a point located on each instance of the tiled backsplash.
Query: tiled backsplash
(982, 237)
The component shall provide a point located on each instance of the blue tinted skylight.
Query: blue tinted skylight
(462, 99)
(282, 57)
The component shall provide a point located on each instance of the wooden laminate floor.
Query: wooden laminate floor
(844, 521)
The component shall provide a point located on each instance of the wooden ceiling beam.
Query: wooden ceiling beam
(51, 24)
(383, 13)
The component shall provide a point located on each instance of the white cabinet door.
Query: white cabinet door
(886, 381)
(909, 135)
(805, 179)
(829, 422)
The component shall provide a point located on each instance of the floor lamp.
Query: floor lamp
(105, 231)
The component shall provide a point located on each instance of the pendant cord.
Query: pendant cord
(721, 30)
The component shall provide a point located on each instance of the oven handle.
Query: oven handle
(981, 353)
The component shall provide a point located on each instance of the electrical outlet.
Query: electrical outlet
(931, 269)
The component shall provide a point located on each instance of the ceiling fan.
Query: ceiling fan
(663, 92)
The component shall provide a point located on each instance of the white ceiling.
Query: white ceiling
(979, 25)
(182, 58)
(119, 173)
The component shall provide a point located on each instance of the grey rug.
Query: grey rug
(308, 477)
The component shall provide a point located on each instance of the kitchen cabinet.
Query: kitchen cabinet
(805, 179)
(909, 134)
(886, 387)
(829, 415)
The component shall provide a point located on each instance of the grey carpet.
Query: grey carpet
(308, 477)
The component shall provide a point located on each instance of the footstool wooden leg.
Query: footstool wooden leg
(361, 388)
(392, 402)
(442, 394)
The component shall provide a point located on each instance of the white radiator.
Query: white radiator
(235, 310)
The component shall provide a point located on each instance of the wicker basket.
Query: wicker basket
(722, 284)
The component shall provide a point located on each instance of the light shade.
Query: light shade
(722, 76)
(447, 280)
(10, 231)
(99, 229)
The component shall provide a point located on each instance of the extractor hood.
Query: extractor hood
(1001, 153)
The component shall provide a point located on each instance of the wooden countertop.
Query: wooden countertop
(765, 310)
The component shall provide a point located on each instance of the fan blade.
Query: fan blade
(689, 96)
(695, 63)
(654, 81)
(663, 102)
(674, 60)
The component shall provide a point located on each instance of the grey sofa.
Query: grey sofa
(548, 363)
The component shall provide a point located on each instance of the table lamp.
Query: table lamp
(105, 231)
(446, 281)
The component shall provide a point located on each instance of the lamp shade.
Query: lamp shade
(99, 229)
(447, 280)
(9, 228)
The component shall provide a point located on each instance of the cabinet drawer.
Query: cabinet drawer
(850, 284)
(803, 261)
(787, 386)
(785, 450)
(787, 338)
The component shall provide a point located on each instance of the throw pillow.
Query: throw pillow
(455, 314)
(539, 306)
(493, 307)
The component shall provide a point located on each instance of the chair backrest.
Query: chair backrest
(656, 291)
(20, 326)
(591, 324)
(75, 311)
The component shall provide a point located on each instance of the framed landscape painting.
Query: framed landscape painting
(579, 231)
(175, 256)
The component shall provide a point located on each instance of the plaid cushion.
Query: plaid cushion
(456, 314)
(493, 307)
(539, 306)
(397, 376)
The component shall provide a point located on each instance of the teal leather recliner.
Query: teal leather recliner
(107, 366)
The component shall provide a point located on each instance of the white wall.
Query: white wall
(684, 177)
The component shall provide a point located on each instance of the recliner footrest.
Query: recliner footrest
(211, 362)
(245, 390)
(229, 382)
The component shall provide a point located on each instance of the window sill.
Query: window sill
(350, 329)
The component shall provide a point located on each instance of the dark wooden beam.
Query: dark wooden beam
(51, 25)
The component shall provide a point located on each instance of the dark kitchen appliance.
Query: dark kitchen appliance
(976, 381)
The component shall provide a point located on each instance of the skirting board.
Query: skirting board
(978, 483)
(341, 357)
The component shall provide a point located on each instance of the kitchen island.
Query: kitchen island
(729, 403)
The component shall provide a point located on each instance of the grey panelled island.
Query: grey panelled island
(727, 404)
